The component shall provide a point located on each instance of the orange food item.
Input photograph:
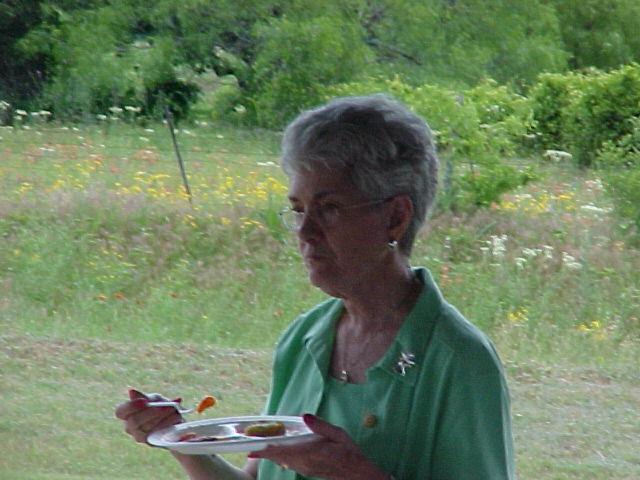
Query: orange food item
(207, 402)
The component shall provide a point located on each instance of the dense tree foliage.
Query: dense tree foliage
(81, 57)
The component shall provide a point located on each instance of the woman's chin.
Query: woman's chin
(323, 279)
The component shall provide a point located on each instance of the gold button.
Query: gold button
(370, 420)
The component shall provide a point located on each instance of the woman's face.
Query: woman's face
(342, 248)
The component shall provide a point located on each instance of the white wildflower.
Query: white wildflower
(548, 252)
(570, 262)
(557, 155)
(115, 110)
(21, 113)
(101, 117)
(530, 252)
(497, 245)
(589, 207)
(240, 109)
(131, 109)
(520, 262)
(149, 130)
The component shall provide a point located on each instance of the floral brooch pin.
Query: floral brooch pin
(406, 360)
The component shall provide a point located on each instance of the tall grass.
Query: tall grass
(100, 242)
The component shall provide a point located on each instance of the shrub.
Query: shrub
(550, 101)
(621, 173)
(603, 111)
(296, 59)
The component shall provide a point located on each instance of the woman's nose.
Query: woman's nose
(308, 227)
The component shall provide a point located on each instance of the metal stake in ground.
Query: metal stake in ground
(169, 117)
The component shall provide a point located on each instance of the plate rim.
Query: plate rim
(154, 439)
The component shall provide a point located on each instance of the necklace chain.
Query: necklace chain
(344, 375)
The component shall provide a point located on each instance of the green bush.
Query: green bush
(603, 111)
(296, 59)
(503, 113)
(550, 101)
(620, 163)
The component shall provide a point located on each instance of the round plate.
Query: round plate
(296, 432)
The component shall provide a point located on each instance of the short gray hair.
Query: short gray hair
(384, 148)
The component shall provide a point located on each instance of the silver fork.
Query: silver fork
(168, 403)
(157, 400)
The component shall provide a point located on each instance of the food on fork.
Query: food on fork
(207, 402)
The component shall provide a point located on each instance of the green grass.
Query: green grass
(110, 278)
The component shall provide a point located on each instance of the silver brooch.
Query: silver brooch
(406, 360)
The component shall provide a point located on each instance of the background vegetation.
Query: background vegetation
(110, 277)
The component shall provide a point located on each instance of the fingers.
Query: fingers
(141, 420)
(324, 428)
(134, 394)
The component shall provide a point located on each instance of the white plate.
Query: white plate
(296, 432)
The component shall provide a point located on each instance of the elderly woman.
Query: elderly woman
(393, 379)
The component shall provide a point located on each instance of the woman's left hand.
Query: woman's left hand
(334, 456)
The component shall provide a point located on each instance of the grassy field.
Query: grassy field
(110, 278)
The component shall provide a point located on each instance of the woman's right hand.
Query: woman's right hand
(140, 420)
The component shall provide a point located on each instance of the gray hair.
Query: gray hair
(384, 148)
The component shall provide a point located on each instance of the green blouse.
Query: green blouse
(447, 417)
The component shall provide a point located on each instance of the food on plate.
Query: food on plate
(207, 402)
(265, 429)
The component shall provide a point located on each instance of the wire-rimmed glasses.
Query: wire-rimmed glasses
(326, 216)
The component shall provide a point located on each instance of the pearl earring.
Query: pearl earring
(393, 244)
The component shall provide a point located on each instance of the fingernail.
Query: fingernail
(308, 418)
(139, 402)
(177, 400)
(252, 455)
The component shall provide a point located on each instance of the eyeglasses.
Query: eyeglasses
(326, 216)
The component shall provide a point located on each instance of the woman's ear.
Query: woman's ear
(401, 215)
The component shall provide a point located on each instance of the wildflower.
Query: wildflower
(115, 110)
(240, 109)
(548, 252)
(21, 113)
(530, 252)
(520, 262)
(497, 245)
(557, 155)
(131, 109)
(570, 262)
(518, 316)
(101, 117)
(592, 208)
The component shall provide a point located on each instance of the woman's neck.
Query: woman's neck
(383, 301)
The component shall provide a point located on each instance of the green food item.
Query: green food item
(265, 429)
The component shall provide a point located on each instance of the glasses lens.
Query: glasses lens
(290, 218)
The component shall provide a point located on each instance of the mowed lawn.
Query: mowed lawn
(109, 279)
(58, 399)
